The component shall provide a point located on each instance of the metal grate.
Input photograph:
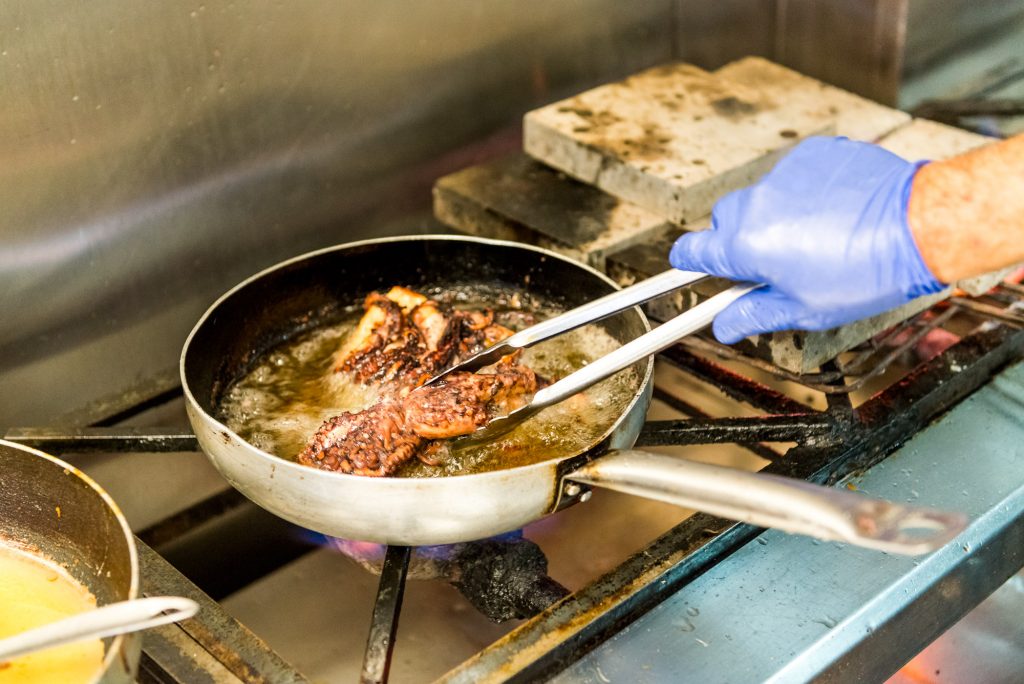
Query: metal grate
(858, 439)
(853, 370)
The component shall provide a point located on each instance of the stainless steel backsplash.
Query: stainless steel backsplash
(152, 154)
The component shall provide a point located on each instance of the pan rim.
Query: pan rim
(400, 482)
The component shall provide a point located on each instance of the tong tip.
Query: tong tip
(473, 363)
(498, 426)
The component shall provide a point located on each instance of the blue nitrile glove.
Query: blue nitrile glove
(826, 230)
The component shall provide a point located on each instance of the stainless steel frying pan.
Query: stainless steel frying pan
(317, 288)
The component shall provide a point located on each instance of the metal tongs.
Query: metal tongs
(661, 337)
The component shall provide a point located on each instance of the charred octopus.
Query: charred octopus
(402, 340)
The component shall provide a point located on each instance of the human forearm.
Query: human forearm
(967, 213)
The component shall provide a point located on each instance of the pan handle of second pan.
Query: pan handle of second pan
(776, 502)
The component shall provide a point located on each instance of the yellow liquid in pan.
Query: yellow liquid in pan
(33, 593)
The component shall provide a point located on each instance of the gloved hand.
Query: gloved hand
(826, 230)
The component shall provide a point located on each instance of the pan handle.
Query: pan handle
(772, 501)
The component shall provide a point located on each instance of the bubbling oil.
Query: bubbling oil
(290, 392)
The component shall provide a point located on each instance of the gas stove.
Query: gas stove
(155, 157)
(562, 598)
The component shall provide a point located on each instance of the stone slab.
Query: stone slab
(855, 117)
(517, 198)
(924, 139)
(673, 139)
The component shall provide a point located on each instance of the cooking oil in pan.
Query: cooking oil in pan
(280, 404)
(34, 592)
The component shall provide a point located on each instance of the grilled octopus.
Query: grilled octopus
(402, 340)
(377, 440)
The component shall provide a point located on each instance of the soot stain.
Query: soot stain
(732, 107)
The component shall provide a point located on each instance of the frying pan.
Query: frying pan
(51, 509)
(319, 288)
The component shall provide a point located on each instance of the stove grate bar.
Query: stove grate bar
(163, 386)
(688, 409)
(175, 526)
(733, 384)
(805, 428)
(867, 363)
(386, 610)
(105, 439)
(1009, 315)
(1013, 288)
